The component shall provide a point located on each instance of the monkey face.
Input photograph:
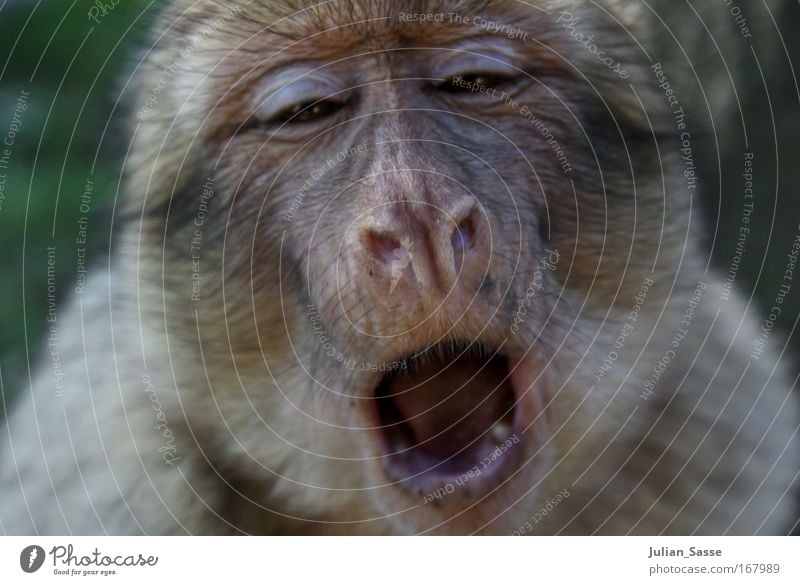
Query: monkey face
(411, 216)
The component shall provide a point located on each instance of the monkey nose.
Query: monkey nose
(425, 246)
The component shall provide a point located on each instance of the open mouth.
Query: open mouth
(450, 412)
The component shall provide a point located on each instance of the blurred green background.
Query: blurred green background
(73, 69)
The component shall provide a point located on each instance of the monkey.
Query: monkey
(404, 268)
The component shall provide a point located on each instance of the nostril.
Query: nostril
(384, 248)
(463, 236)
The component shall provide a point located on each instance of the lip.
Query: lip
(473, 468)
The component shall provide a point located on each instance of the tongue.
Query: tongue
(447, 406)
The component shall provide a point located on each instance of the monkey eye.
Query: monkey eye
(475, 73)
(307, 111)
(302, 101)
(467, 83)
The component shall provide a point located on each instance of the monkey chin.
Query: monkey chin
(460, 423)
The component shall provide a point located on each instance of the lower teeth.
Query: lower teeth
(501, 431)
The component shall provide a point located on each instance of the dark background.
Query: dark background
(72, 130)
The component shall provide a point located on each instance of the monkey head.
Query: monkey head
(394, 239)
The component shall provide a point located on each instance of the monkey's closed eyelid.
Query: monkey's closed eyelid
(461, 64)
(474, 82)
(303, 91)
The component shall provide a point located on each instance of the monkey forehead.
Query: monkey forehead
(299, 18)
(334, 26)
